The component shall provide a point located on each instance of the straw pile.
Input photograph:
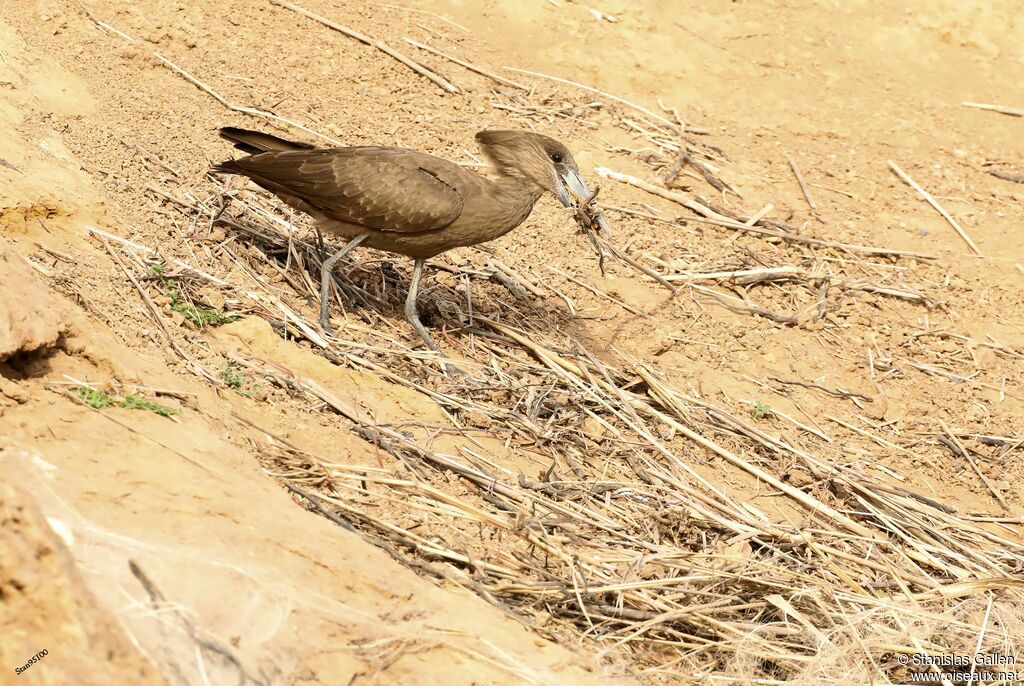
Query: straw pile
(620, 533)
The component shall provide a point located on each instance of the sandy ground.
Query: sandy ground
(168, 547)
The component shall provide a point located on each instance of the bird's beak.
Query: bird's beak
(572, 186)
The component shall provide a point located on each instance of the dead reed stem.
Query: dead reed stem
(439, 80)
(603, 94)
(1002, 109)
(800, 180)
(931, 201)
(468, 65)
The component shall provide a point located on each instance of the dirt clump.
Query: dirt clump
(29, 316)
(45, 605)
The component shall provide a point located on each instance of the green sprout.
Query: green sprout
(202, 314)
(95, 398)
(232, 376)
(199, 313)
(99, 400)
(134, 401)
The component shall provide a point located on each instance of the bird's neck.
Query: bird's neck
(516, 197)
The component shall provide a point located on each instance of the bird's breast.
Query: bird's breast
(496, 214)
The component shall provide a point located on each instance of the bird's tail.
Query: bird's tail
(255, 142)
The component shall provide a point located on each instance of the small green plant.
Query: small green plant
(202, 314)
(95, 398)
(99, 400)
(134, 401)
(232, 376)
(761, 410)
(199, 313)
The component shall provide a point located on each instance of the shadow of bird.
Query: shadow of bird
(408, 202)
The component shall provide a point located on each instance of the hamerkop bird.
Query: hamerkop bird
(409, 202)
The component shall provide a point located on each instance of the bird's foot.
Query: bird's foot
(454, 372)
(325, 325)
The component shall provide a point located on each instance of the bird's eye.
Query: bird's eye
(556, 157)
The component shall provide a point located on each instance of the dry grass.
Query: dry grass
(621, 538)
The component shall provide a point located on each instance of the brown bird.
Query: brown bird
(409, 202)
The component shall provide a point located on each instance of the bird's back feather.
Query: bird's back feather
(386, 189)
(255, 142)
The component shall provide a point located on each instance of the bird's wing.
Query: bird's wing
(387, 189)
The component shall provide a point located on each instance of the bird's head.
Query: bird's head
(538, 160)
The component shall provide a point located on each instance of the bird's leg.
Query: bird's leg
(325, 279)
(413, 317)
(411, 313)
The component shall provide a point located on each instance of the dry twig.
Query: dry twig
(439, 80)
(1002, 109)
(800, 180)
(931, 201)
(468, 65)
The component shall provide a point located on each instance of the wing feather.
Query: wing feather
(387, 189)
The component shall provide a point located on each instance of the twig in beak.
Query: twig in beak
(588, 216)
(597, 248)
